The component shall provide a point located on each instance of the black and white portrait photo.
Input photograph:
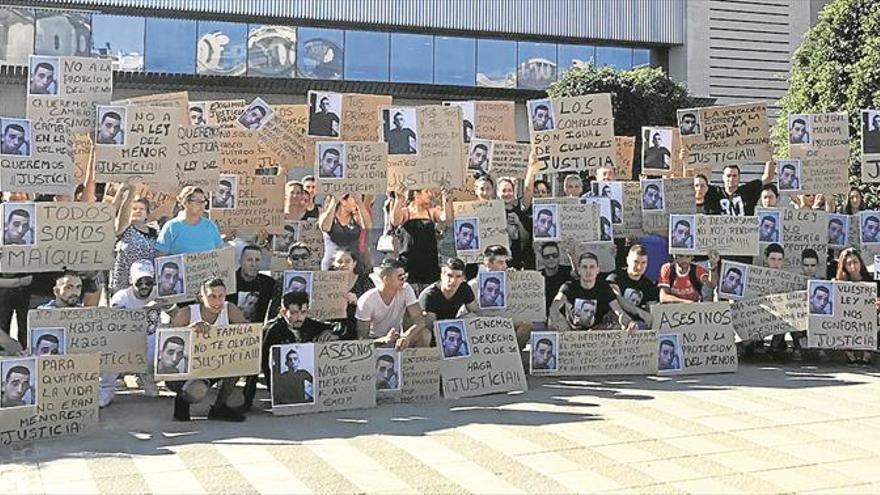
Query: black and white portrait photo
(325, 113)
(110, 127)
(400, 130)
(16, 136)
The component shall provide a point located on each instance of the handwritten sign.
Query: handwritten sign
(852, 322)
(579, 137)
(678, 199)
(824, 175)
(309, 234)
(223, 351)
(359, 116)
(509, 159)
(419, 377)
(83, 84)
(631, 211)
(870, 126)
(176, 99)
(623, 157)
(66, 402)
(762, 281)
(773, 314)
(491, 224)
(117, 336)
(827, 138)
(198, 267)
(578, 223)
(803, 229)
(75, 235)
(729, 134)
(438, 162)
(492, 364)
(363, 168)
(702, 333)
(494, 120)
(734, 236)
(524, 295)
(46, 163)
(600, 353)
(198, 157)
(285, 135)
(259, 205)
(328, 291)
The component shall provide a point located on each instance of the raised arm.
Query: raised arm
(398, 211)
(325, 219)
(769, 174)
(529, 184)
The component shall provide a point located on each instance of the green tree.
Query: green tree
(837, 68)
(639, 97)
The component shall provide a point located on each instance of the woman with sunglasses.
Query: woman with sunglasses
(851, 268)
(191, 231)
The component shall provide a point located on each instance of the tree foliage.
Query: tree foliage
(837, 68)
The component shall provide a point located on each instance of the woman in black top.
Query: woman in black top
(418, 223)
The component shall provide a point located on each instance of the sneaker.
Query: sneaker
(225, 413)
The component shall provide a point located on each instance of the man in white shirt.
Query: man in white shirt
(380, 310)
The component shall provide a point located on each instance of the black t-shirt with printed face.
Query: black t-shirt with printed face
(253, 297)
(432, 300)
(600, 295)
(639, 292)
(739, 204)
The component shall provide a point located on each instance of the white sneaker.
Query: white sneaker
(149, 384)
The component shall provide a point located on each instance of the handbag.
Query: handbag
(387, 243)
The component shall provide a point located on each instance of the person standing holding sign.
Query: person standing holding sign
(135, 238)
(734, 199)
(342, 222)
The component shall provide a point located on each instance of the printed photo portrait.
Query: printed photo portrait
(19, 382)
(733, 280)
(653, 195)
(545, 226)
(467, 233)
(110, 127)
(789, 173)
(452, 335)
(869, 224)
(682, 229)
(247, 302)
(541, 115)
(255, 116)
(467, 117)
(197, 114)
(492, 290)
(297, 281)
(48, 341)
(387, 369)
(330, 158)
(606, 229)
(400, 130)
(545, 348)
(614, 191)
(281, 242)
(325, 112)
(877, 267)
(15, 137)
(821, 294)
(227, 191)
(799, 129)
(870, 131)
(480, 156)
(656, 148)
(668, 353)
(583, 313)
(44, 75)
(171, 275)
(19, 224)
(173, 351)
(293, 374)
(769, 226)
(838, 230)
(689, 122)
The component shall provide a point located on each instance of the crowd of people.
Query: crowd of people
(395, 301)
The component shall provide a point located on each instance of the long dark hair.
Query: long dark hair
(842, 274)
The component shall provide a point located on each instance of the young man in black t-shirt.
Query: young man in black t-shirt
(444, 299)
(632, 288)
(254, 290)
(734, 199)
(584, 303)
(554, 273)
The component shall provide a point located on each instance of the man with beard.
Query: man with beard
(67, 290)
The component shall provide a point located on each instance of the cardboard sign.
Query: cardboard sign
(193, 269)
(308, 233)
(490, 221)
(343, 376)
(43, 163)
(419, 377)
(328, 291)
(145, 148)
(694, 338)
(733, 236)
(660, 146)
(177, 99)
(579, 135)
(773, 314)
(437, 163)
(825, 175)
(286, 136)
(82, 155)
(851, 321)
(602, 353)
(728, 134)
(359, 116)
(223, 351)
(632, 211)
(509, 159)
(75, 235)
(678, 198)
(83, 84)
(198, 157)
(623, 157)
(826, 137)
(803, 229)
(117, 336)
(495, 120)
(761, 281)
(360, 166)
(487, 362)
(259, 198)
(66, 402)
(578, 223)
(870, 125)
(524, 293)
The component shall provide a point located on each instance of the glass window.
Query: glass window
(16, 35)
(221, 48)
(455, 61)
(320, 53)
(412, 58)
(575, 55)
(62, 33)
(618, 57)
(170, 46)
(496, 63)
(641, 57)
(119, 38)
(271, 51)
(367, 57)
(536, 65)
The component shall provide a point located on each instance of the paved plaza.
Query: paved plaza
(763, 429)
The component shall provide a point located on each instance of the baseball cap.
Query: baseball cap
(140, 269)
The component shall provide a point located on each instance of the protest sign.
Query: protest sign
(625, 150)
(870, 125)
(772, 314)
(494, 120)
(74, 235)
(177, 99)
(824, 175)
(220, 352)
(198, 157)
(677, 198)
(573, 133)
(524, 294)
(359, 116)
(438, 162)
(142, 145)
(509, 159)
(694, 338)
(309, 234)
(659, 147)
(729, 235)
(194, 268)
(327, 301)
(285, 136)
(64, 393)
(728, 134)
(419, 377)
(599, 353)
(83, 84)
(578, 223)
(82, 155)
(117, 336)
(803, 229)
(631, 211)
(486, 361)
(826, 136)
(762, 281)
(43, 160)
(842, 315)
(343, 377)
(351, 167)
(490, 222)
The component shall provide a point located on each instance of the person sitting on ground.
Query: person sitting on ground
(380, 311)
(584, 303)
(632, 289)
